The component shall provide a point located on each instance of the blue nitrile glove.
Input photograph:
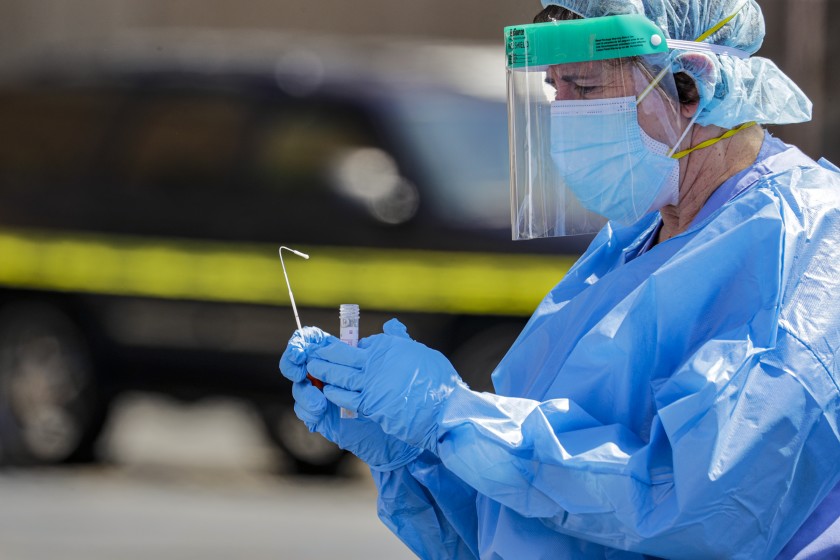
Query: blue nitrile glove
(398, 383)
(363, 438)
(293, 360)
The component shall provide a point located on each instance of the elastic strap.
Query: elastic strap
(711, 48)
(712, 141)
(652, 84)
(720, 49)
(705, 35)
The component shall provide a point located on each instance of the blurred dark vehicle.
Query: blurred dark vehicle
(142, 206)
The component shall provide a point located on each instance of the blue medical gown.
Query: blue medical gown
(679, 403)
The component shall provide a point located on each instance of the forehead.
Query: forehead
(579, 70)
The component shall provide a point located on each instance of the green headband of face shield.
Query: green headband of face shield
(549, 71)
(568, 119)
(540, 44)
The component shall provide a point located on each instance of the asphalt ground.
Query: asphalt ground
(184, 482)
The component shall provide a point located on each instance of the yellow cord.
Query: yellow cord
(728, 134)
(723, 22)
(699, 39)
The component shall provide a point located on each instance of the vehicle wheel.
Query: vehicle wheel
(310, 453)
(49, 409)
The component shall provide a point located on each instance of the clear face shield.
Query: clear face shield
(594, 121)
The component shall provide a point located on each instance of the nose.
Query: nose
(564, 92)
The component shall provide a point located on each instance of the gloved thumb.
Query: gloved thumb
(393, 327)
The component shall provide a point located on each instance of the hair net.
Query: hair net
(732, 90)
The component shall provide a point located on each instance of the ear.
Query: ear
(688, 110)
(696, 75)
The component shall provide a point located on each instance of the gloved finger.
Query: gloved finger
(303, 340)
(304, 417)
(293, 361)
(341, 376)
(291, 370)
(343, 398)
(310, 403)
(394, 327)
(313, 336)
(337, 352)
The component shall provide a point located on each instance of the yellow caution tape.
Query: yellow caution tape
(376, 279)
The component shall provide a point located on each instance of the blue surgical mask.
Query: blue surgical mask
(613, 167)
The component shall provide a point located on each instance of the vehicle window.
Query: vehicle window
(461, 143)
(172, 166)
(223, 166)
(50, 146)
(183, 142)
(312, 171)
(52, 137)
(296, 147)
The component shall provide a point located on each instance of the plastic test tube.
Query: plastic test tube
(348, 314)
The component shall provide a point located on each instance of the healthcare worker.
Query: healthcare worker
(676, 394)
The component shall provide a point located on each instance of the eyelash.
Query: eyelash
(580, 90)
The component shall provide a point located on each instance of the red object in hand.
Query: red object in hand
(317, 382)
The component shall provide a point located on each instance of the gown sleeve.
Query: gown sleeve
(429, 509)
(734, 463)
(741, 437)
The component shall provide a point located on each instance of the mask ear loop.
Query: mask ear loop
(685, 133)
(703, 36)
(655, 81)
(673, 151)
(650, 88)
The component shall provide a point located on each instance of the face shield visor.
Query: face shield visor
(594, 120)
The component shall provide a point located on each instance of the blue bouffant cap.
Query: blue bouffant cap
(732, 90)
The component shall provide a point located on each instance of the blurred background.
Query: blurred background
(154, 156)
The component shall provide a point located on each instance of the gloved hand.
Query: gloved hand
(398, 383)
(363, 438)
(293, 360)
